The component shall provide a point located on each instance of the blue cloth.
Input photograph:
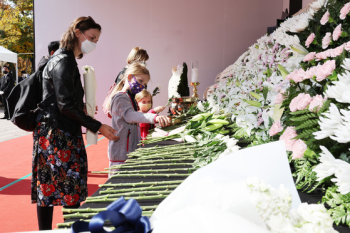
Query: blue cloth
(126, 217)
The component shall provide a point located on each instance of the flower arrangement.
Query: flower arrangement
(274, 206)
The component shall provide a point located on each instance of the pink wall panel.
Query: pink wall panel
(215, 33)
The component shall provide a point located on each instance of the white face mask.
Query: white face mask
(87, 46)
(145, 107)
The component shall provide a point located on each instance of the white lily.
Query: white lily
(342, 174)
(189, 138)
(299, 49)
(327, 166)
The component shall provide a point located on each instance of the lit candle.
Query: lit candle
(195, 75)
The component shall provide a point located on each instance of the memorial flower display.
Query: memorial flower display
(294, 85)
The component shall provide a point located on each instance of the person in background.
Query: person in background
(59, 162)
(52, 48)
(144, 103)
(23, 76)
(125, 115)
(137, 54)
(6, 85)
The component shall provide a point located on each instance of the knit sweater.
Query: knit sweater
(125, 121)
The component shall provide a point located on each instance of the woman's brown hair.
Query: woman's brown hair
(137, 54)
(69, 40)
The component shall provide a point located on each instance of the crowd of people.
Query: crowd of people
(59, 160)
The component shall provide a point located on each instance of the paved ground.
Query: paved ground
(8, 130)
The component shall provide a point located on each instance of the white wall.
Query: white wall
(213, 32)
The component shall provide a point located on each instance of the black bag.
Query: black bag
(25, 101)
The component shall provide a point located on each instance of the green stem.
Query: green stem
(145, 171)
(90, 210)
(142, 183)
(148, 175)
(129, 194)
(153, 165)
(186, 152)
(138, 189)
(160, 196)
(163, 149)
(158, 160)
(89, 215)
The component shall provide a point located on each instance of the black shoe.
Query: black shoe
(5, 117)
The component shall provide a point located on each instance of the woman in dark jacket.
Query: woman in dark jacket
(59, 175)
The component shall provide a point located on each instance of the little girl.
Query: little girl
(144, 102)
(125, 117)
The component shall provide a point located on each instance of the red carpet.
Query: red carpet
(17, 213)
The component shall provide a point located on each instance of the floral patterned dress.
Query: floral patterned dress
(59, 171)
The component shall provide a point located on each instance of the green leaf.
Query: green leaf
(333, 76)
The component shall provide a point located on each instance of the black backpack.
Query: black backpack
(25, 101)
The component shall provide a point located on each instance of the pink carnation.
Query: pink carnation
(288, 136)
(304, 102)
(325, 70)
(310, 73)
(293, 106)
(317, 101)
(299, 147)
(309, 40)
(337, 32)
(279, 99)
(276, 128)
(337, 51)
(325, 18)
(291, 75)
(347, 46)
(299, 76)
(344, 11)
(326, 40)
(321, 55)
(309, 56)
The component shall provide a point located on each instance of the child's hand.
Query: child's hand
(163, 121)
(108, 132)
(159, 109)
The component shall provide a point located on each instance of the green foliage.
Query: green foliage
(307, 124)
(340, 205)
(306, 178)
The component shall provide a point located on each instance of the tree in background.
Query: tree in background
(17, 32)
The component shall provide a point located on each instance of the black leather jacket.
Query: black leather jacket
(61, 76)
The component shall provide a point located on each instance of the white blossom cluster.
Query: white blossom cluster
(274, 206)
(249, 74)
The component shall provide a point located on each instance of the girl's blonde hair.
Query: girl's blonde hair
(144, 93)
(133, 69)
(137, 54)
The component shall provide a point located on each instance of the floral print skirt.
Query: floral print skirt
(59, 168)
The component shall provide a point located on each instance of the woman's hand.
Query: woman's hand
(108, 132)
(163, 121)
(159, 109)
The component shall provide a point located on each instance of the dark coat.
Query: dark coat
(6, 84)
(61, 76)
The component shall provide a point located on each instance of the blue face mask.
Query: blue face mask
(136, 87)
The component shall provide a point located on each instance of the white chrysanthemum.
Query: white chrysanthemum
(341, 89)
(327, 166)
(330, 123)
(342, 174)
(346, 64)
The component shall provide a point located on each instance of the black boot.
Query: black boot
(45, 215)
